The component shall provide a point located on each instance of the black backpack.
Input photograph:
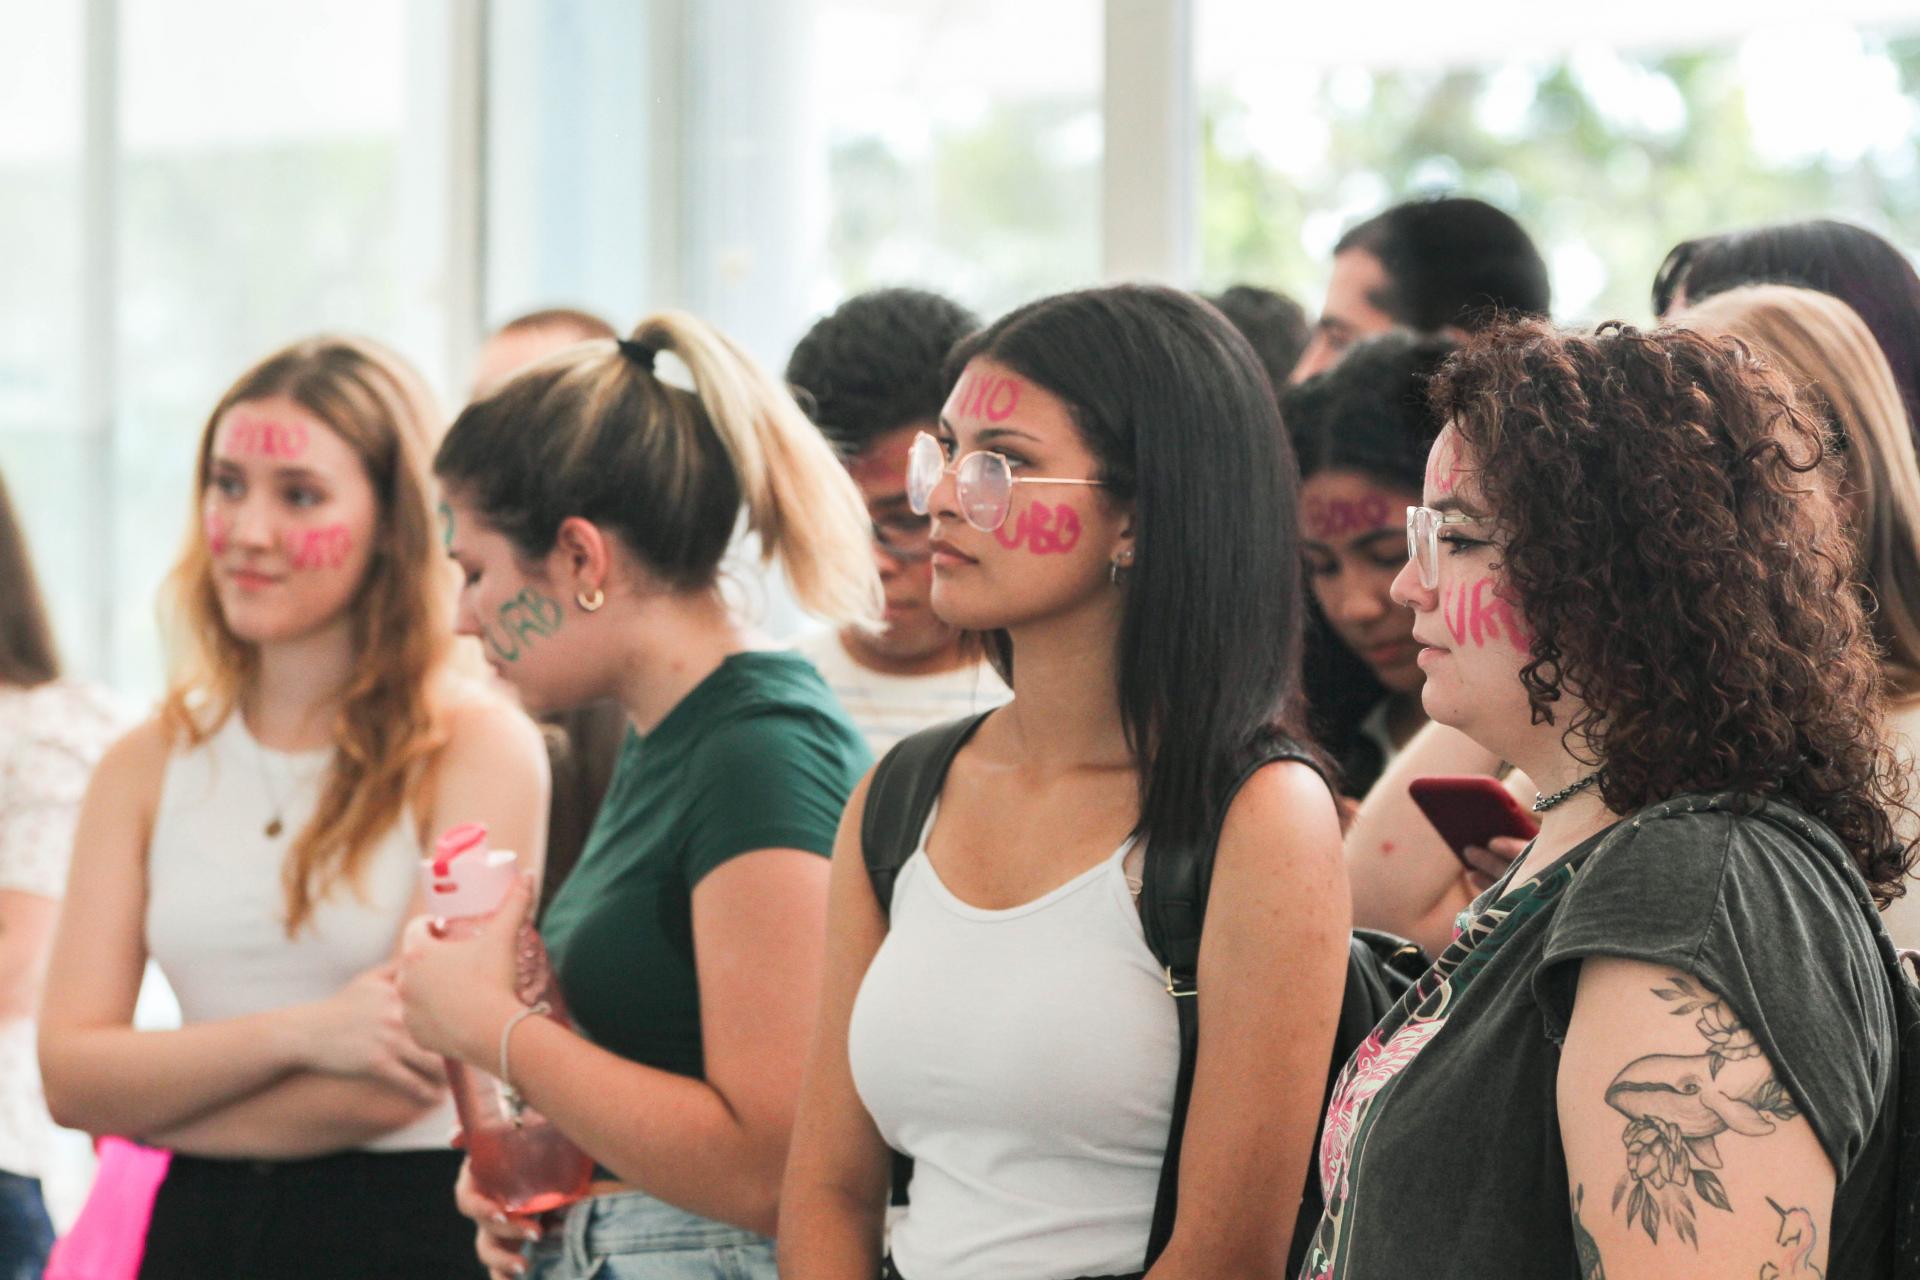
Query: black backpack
(1173, 904)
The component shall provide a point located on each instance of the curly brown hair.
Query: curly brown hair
(1683, 568)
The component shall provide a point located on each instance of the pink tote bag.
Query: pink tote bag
(109, 1237)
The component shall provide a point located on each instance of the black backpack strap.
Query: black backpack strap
(900, 795)
(1173, 907)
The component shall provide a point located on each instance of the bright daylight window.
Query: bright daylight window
(1611, 135)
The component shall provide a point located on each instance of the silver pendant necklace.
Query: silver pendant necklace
(1543, 803)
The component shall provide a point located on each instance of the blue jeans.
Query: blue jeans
(632, 1236)
(25, 1233)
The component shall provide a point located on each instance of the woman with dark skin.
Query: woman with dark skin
(1630, 582)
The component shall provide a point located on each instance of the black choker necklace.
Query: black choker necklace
(1543, 803)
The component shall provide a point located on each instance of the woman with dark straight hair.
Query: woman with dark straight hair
(1115, 506)
(51, 733)
(1853, 264)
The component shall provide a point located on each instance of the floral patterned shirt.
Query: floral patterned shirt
(50, 737)
(1441, 1153)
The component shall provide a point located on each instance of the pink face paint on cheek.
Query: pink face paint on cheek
(1475, 612)
(1045, 531)
(322, 548)
(265, 438)
(217, 529)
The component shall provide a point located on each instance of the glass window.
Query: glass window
(962, 146)
(45, 447)
(1611, 136)
(279, 176)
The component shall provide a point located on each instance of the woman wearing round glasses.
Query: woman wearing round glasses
(1114, 506)
(1663, 1044)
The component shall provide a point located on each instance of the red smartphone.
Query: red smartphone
(1471, 810)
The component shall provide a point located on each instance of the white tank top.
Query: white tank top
(1025, 1058)
(216, 909)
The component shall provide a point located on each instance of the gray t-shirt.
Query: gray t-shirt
(1441, 1153)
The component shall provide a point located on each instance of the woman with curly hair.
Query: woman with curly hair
(1665, 1039)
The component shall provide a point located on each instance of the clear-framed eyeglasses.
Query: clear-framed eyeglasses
(984, 480)
(1423, 540)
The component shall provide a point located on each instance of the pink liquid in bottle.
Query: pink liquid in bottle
(518, 1157)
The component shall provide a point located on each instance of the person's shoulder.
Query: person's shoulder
(137, 760)
(1709, 841)
(776, 708)
(482, 728)
(1285, 815)
(822, 648)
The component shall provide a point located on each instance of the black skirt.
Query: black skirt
(359, 1215)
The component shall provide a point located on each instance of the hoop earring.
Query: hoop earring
(590, 601)
(1117, 570)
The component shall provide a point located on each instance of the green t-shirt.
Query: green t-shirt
(757, 756)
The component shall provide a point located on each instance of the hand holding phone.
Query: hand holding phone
(1470, 811)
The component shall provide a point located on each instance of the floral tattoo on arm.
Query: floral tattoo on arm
(1678, 1105)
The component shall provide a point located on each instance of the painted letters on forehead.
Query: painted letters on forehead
(259, 436)
(991, 396)
(1443, 466)
(1333, 520)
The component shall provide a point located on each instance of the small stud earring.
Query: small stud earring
(590, 600)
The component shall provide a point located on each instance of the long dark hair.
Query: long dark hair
(27, 654)
(1851, 263)
(1368, 414)
(1177, 410)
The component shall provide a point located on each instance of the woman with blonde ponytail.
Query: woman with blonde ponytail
(260, 839)
(589, 504)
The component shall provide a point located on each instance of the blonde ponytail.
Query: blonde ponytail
(592, 432)
(798, 497)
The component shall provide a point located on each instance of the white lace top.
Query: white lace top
(50, 738)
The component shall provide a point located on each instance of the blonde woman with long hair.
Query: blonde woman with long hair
(260, 837)
(590, 503)
(1832, 357)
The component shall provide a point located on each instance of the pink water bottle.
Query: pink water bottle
(519, 1158)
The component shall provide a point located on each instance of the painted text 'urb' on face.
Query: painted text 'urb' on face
(1045, 532)
(322, 548)
(519, 620)
(1475, 611)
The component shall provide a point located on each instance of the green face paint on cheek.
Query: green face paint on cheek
(446, 527)
(517, 622)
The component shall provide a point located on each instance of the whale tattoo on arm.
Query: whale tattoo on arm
(1677, 1107)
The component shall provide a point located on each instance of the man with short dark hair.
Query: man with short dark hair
(1273, 323)
(870, 377)
(1433, 266)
